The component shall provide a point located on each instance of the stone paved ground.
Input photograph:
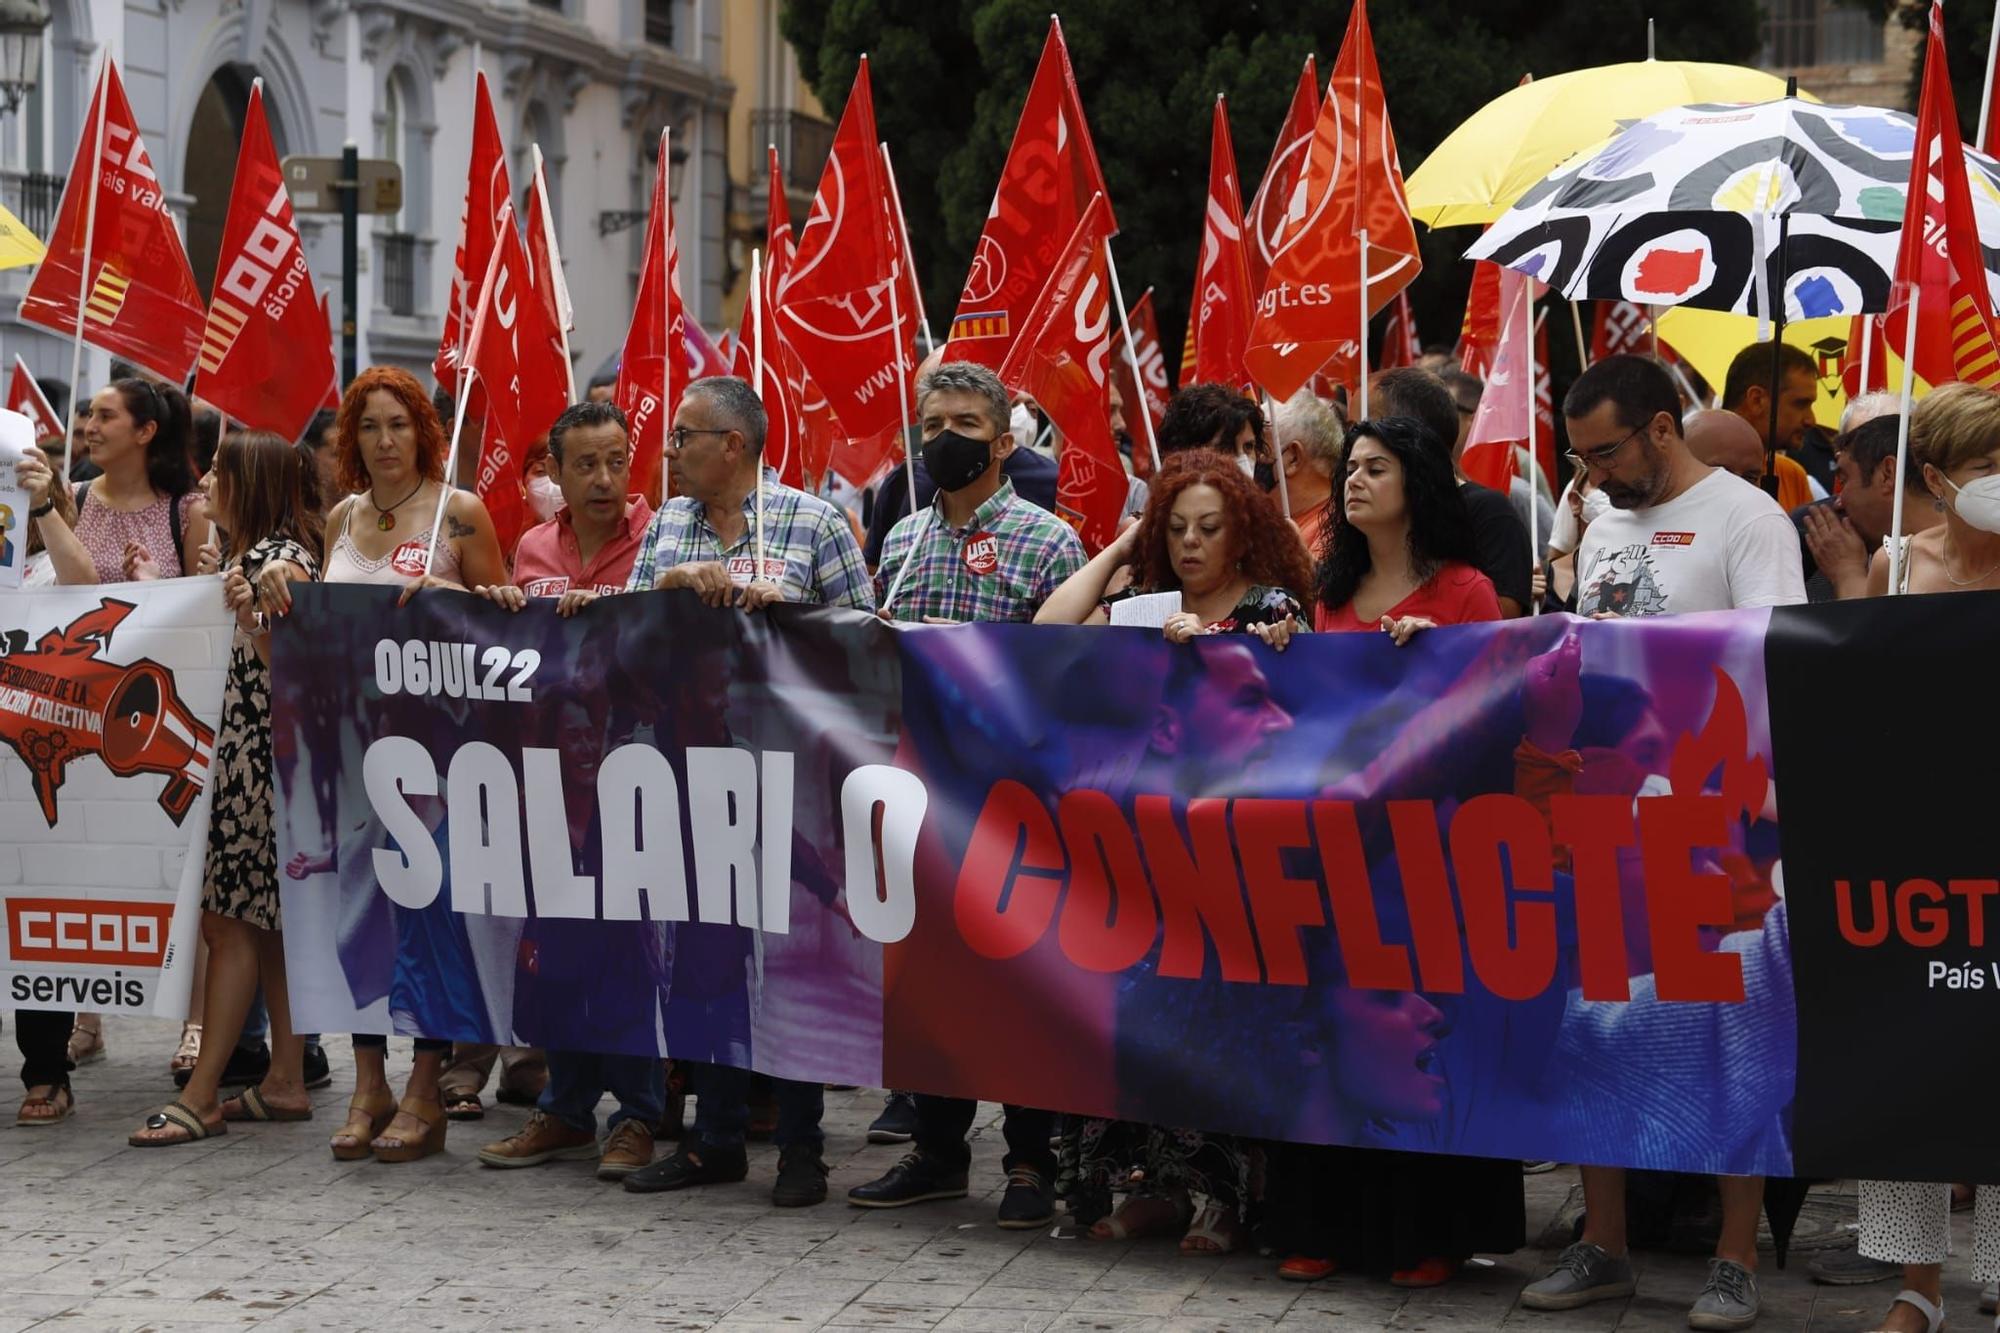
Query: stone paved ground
(264, 1227)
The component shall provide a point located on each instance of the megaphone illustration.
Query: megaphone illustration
(147, 729)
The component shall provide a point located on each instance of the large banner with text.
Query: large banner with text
(1513, 890)
(110, 698)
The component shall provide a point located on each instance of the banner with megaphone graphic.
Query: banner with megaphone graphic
(110, 697)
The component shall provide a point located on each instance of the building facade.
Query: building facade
(591, 81)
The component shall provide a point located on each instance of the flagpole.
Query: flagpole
(1903, 445)
(555, 265)
(903, 228)
(1986, 95)
(1361, 211)
(1284, 488)
(902, 386)
(1867, 346)
(1362, 373)
(1132, 355)
(667, 278)
(89, 240)
(1582, 347)
(757, 345)
(1534, 514)
(450, 469)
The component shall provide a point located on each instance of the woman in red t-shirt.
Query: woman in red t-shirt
(1399, 554)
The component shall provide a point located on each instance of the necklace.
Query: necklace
(1966, 583)
(385, 519)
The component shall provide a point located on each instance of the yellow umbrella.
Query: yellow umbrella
(1522, 135)
(1709, 339)
(18, 246)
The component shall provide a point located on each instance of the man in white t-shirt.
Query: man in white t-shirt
(1680, 536)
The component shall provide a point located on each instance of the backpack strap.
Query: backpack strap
(174, 527)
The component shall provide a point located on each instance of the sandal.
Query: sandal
(1916, 1300)
(1141, 1217)
(1215, 1230)
(86, 1045)
(183, 1117)
(59, 1097)
(189, 1051)
(251, 1105)
(461, 1104)
(366, 1117)
(428, 1114)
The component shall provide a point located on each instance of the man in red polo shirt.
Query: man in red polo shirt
(589, 546)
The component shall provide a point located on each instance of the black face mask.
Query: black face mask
(956, 461)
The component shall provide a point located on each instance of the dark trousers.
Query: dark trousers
(43, 1036)
(376, 1041)
(722, 1108)
(943, 1123)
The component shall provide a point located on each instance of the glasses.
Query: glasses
(679, 434)
(1601, 457)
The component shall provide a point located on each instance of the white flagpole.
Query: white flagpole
(450, 469)
(902, 387)
(757, 345)
(465, 299)
(1362, 373)
(1867, 346)
(1902, 447)
(1534, 508)
(1582, 347)
(1271, 424)
(666, 276)
(1986, 93)
(555, 268)
(903, 229)
(1131, 355)
(89, 240)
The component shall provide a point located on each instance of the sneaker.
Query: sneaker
(1729, 1300)
(801, 1177)
(1537, 1167)
(1850, 1268)
(1029, 1202)
(915, 1179)
(1583, 1273)
(543, 1139)
(898, 1121)
(629, 1148)
(319, 1073)
(691, 1166)
(246, 1068)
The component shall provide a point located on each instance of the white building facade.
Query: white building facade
(592, 81)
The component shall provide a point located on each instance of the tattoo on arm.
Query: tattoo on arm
(458, 527)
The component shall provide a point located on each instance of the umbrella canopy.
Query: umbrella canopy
(1518, 138)
(1683, 208)
(18, 246)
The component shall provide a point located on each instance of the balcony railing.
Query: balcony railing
(803, 144)
(660, 23)
(33, 197)
(1800, 34)
(399, 272)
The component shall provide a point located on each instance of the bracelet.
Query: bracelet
(46, 508)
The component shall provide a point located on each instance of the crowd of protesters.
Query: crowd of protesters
(1263, 522)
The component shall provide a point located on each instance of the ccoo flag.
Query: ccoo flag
(487, 191)
(649, 383)
(265, 356)
(507, 352)
(1049, 179)
(143, 303)
(1311, 309)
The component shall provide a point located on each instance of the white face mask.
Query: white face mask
(1022, 422)
(1978, 502)
(1247, 466)
(1595, 506)
(544, 497)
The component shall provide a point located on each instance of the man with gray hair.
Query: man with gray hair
(1310, 438)
(1865, 408)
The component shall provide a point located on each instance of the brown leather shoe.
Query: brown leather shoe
(543, 1139)
(629, 1149)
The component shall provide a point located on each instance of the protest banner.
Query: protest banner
(1514, 890)
(109, 700)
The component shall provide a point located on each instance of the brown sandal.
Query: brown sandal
(366, 1117)
(462, 1104)
(1142, 1216)
(59, 1097)
(428, 1114)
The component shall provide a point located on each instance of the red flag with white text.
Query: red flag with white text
(507, 350)
(26, 397)
(1219, 316)
(265, 358)
(834, 304)
(487, 191)
(1062, 360)
(1048, 181)
(1479, 331)
(1310, 312)
(143, 303)
(1400, 344)
(1273, 200)
(1867, 349)
(784, 435)
(545, 267)
(1153, 388)
(648, 386)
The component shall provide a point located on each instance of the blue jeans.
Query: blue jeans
(578, 1080)
(722, 1108)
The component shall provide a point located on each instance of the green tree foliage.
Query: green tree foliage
(950, 79)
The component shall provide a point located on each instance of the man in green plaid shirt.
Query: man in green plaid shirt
(980, 552)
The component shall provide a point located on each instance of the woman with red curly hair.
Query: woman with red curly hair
(1210, 534)
(390, 459)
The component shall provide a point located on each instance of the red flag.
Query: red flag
(704, 358)
(545, 267)
(506, 350)
(1274, 192)
(1502, 418)
(815, 425)
(1400, 344)
(1866, 348)
(487, 191)
(1310, 315)
(265, 357)
(143, 303)
(26, 397)
(648, 390)
(784, 436)
(834, 306)
(1479, 332)
(1940, 255)
(1152, 370)
(1220, 315)
(1062, 360)
(1048, 181)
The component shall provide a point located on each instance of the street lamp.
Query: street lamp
(21, 25)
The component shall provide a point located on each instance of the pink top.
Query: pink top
(548, 562)
(1456, 595)
(346, 564)
(105, 532)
